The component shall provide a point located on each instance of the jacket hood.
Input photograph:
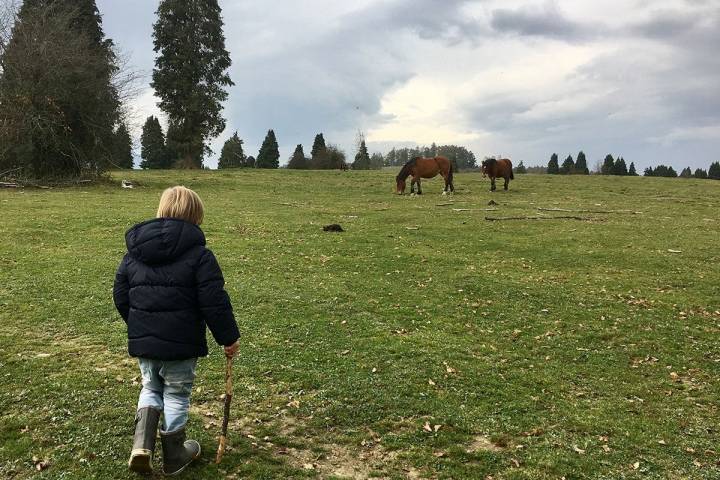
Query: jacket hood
(162, 240)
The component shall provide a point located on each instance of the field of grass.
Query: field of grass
(424, 342)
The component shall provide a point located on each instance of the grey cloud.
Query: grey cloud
(334, 82)
(539, 21)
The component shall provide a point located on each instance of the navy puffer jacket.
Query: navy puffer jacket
(167, 288)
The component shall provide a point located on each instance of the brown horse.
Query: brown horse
(420, 167)
(497, 168)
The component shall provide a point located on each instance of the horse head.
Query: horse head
(487, 164)
(399, 185)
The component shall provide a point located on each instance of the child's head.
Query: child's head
(183, 203)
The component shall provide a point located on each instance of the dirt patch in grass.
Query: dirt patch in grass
(482, 443)
(305, 452)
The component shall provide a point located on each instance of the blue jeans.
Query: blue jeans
(167, 385)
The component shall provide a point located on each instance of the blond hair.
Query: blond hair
(181, 202)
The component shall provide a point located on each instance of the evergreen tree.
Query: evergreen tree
(686, 173)
(122, 149)
(620, 168)
(232, 155)
(377, 161)
(59, 109)
(608, 166)
(269, 156)
(581, 167)
(714, 171)
(631, 170)
(700, 173)
(152, 145)
(298, 160)
(553, 168)
(664, 171)
(250, 162)
(391, 158)
(362, 159)
(190, 74)
(319, 155)
(520, 168)
(568, 166)
(649, 172)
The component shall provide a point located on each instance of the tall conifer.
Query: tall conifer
(190, 75)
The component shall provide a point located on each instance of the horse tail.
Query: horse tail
(512, 177)
(450, 174)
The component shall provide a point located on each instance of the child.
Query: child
(167, 288)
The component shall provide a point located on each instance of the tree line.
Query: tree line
(616, 166)
(61, 92)
(62, 87)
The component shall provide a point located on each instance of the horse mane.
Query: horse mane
(405, 170)
(489, 162)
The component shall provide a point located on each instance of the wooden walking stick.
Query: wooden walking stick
(226, 410)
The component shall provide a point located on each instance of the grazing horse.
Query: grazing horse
(497, 168)
(420, 167)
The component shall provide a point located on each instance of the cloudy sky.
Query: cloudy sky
(518, 78)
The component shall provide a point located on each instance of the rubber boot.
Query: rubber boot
(178, 453)
(146, 422)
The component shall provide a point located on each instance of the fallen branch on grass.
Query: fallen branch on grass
(9, 185)
(587, 211)
(563, 217)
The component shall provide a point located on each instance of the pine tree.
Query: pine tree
(298, 160)
(319, 157)
(608, 166)
(581, 167)
(232, 155)
(362, 158)
(686, 173)
(152, 145)
(269, 156)
(649, 172)
(714, 171)
(700, 173)
(663, 171)
(620, 168)
(631, 170)
(122, 149)
(553, 168)
(391, 158)
(377, 161)
(59, 109)
(190, 74)
(250, 162)
(520, 168)
(568, 166)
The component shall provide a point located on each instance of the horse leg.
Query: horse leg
(492, 184)
(419, 187)
(507, 182)
(412, 186)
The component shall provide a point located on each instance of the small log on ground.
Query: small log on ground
(562, 217)
(588, 211)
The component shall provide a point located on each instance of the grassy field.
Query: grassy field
(424, 342)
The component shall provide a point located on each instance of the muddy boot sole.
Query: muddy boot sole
(140, 461)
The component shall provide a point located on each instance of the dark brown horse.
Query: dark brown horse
(420, 167)
(497, 168)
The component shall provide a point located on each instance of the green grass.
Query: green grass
(544, 349)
